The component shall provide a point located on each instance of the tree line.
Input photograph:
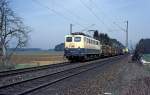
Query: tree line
(106, 40)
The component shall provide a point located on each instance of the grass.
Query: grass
(31, 59)
(21, 66)
(17, 66)
(38, 53)
(37, 57)
(146, 57)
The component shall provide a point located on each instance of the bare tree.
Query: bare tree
(11, 29)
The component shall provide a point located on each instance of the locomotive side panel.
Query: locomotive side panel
(92, 46)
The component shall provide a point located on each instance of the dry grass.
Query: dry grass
(19, 61)
(38, 59)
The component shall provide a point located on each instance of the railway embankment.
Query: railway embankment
(29, 80)
(121, 78)
(116, 76)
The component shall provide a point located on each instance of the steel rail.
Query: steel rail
(82, 68)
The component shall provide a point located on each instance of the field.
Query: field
(146, 57)
(38, 58)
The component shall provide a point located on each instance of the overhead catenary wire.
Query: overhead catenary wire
(87, 27)
(91, 11)
(94, 14)
(73, 14)
(77, 17)
(58, 13)
(114, 23)
(96, 6)
(119, 27)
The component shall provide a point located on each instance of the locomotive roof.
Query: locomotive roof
(80, 33)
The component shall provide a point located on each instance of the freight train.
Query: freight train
(79, 46)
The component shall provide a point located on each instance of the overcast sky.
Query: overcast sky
(50, 19)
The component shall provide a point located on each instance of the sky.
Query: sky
(49, 20)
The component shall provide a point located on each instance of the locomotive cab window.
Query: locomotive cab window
(77, 39)
(69, 39)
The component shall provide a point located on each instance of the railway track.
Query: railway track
(25, 74)
(26, 70)
(30, 85)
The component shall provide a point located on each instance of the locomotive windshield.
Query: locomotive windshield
(77, 39)
(69, 39)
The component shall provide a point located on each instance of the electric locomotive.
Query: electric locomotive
(79, 46)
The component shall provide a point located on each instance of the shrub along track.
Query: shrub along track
(60, 73)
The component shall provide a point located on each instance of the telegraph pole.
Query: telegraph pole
(70, 28)
(127, 35)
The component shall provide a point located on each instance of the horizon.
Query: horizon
(51, 18)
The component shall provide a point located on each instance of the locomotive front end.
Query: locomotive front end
(74, 47)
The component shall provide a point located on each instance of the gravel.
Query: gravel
(113, 79)
(29, 75)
